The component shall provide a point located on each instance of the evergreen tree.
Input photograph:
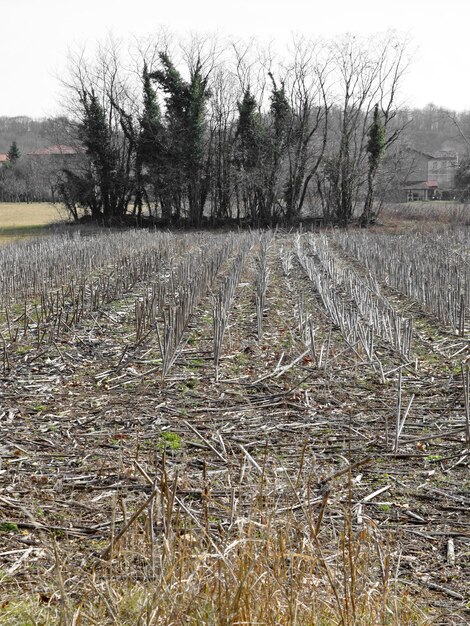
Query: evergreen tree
(109, 136)
(13, 154)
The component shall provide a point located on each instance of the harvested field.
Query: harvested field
(235, 428)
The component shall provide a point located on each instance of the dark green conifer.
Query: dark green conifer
(13, 154)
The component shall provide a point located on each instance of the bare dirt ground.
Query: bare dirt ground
(82, 417)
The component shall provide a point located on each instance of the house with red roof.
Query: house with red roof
(431, 176)
(55, 151)
(44, 167)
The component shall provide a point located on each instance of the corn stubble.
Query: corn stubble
(278, 554)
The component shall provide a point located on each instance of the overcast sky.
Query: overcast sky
(36, 35)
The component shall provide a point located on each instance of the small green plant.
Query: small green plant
(8, 527)
(189, 384)
(384, 507)
(169, 441)
(24, 349)
(197, 363)
(433, 458)
(241, 358)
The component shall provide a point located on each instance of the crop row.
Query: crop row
(431, 268)
(354, 303)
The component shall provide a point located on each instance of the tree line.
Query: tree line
(198, 131)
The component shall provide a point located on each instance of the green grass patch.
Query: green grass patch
(169, 441)
(9, 527)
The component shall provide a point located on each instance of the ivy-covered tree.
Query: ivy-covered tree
(375, 150)
(150, 149)
(248, 151)
(248, 131)
(95, 134)
(198, 186)
(275, 149)
(187, 174)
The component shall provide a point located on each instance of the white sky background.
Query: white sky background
(36, 35)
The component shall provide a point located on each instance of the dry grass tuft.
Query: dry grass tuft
(267, 567)
(266, 575)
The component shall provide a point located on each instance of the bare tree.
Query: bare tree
(222, 120)
(102, 111)
(307, 85)
(366, 73)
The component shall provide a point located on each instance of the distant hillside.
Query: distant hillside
(430, 129)
(28, 133)
(434, 129)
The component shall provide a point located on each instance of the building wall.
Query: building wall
(443, 171)
(417, 166)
